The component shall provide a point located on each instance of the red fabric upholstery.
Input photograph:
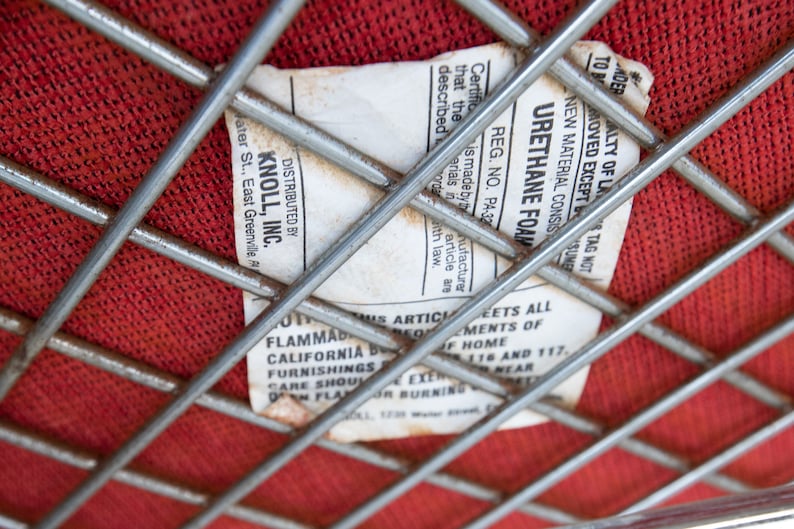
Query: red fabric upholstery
(86, 113)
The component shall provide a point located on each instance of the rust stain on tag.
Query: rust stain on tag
(289, 411)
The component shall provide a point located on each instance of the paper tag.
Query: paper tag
(537, 165)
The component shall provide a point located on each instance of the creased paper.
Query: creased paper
(533, 168)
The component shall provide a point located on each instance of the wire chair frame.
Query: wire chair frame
(543, 56)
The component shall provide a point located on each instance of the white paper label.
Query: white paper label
(537, 165)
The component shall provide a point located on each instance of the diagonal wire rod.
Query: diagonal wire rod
(189, 69)
(151, 238)
(592, 351)
(236, 275)
(150, 377)
(315, 275)
(655, 410)
(7, 522)
(641, 175)
(192, 131)
(768, 508)
(63, 453)
(517, 33)
(177, 62)
(714, 463)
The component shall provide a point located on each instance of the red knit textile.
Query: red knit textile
(94, 117)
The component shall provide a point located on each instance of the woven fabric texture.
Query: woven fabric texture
(86, 113)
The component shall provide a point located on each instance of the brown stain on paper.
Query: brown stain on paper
(288, 410)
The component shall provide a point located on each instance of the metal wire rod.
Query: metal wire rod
(58, 451)
(73, 202)
(663, 405)
(328, 262)
(7, 522)
(773, 508)
(88, 209)
(189, 69)
(148, 376)
(652, 166)
(714, 463)
(591, 351)
(185, 67)
(206, 113)
(516, 32)
(664, 336)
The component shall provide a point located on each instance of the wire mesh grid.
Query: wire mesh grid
(546, 55)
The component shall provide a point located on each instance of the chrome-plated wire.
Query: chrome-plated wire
(148, 376)
(774, 398)
(316, 274)
(714, 463)
(9, 522)
(518, 33)
(645, 416)
(505, 24)
(192, 131)
(182, 65)
(57, 451)
(170, 246)
(772, 508)
(515, 31)
(229, 81)
(652, 166)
